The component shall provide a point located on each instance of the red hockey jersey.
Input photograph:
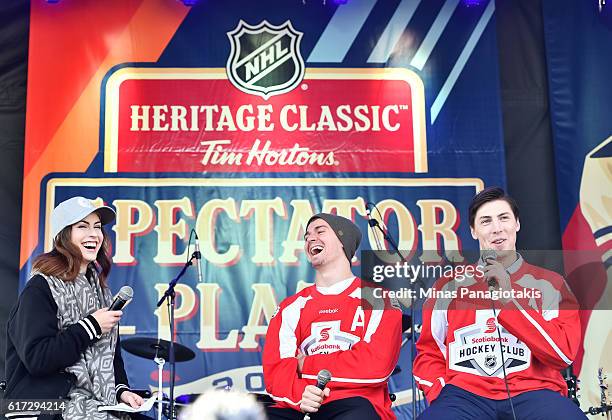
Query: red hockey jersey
(336, 331)
(459, 343)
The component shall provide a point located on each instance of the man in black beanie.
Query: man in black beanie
(329, 326)
(346, 231)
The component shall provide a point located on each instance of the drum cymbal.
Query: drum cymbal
(150, 348)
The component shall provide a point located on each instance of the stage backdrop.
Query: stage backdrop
(241, 119)
(578, 38)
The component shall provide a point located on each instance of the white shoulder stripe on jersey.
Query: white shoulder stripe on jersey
(375, 319)
(356, 294)
(285, 399)
(439, 328)
(439, 320)
(290, 318)
(351, 380)
(544, 334)
(441, 379)
(423, 381)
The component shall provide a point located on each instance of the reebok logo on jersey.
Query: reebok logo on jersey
(329, 311)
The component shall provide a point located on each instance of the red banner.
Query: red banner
(337, 120)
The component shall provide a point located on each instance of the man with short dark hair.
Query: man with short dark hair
(331, 325)
(473, 352)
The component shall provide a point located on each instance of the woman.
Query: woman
(61, 336)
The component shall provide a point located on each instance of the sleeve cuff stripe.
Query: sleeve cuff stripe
(97, 331)
(90, 325)
(287, 400)
(351, 380)
(87, 328)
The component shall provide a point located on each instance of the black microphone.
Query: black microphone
(487, 255)
(323, 378)
(371, 221)
(122, 298)
(198, 257)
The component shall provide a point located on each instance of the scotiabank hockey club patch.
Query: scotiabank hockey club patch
(477, 349)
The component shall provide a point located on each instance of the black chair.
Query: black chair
(572, 384)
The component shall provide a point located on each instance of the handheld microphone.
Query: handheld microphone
(323, 378)
(198, 257)
(123, 297)
(489, 254)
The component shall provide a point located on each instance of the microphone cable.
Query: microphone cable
(501, 351)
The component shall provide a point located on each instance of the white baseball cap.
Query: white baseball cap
(75, 209)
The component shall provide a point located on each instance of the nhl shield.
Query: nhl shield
(265, 60)
(490, 361)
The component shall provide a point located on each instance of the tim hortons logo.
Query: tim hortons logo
(265, 60)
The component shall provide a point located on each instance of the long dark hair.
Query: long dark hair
(64, 260)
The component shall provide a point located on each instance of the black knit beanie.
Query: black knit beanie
(347, 232)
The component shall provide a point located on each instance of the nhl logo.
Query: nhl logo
(265, 60)
(490, 361)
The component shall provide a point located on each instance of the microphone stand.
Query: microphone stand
(373, 223)
(160, 370)
(170, 293)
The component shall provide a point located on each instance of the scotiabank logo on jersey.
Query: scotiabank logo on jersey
(264, 112)
(326, 337)
(477, 348)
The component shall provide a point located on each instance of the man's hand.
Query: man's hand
(494, 269)
(312, 398)
(107, 319)
(131, 399)
(300, 356)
